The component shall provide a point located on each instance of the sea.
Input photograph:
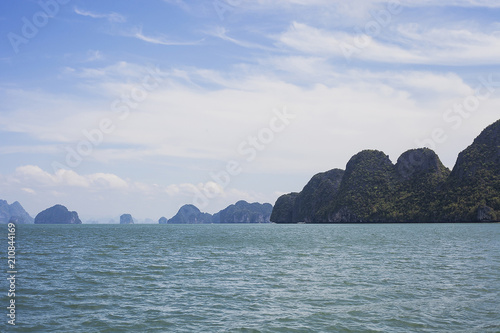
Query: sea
(253, 278)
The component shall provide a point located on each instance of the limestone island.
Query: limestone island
(418, 188)
(57, 214)
(126, 219)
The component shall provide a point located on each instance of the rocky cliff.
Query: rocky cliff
(13, 212)
(284, 210)
(472, 191)
(422, 176)
(418, 188)
(57, 214)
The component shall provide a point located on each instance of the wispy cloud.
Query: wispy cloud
(457, 3)
(160, 39)
(28, 190)
(415, 3)
(221, 32)
(406, 44)
(111, 17)
(346, 13)
(33, 174)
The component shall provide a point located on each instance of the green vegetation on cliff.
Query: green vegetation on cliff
(418, 188)
(472, 192)
(283, 211)
(366, 190)
(421, 176)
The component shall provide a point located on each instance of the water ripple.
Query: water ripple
(258, 278)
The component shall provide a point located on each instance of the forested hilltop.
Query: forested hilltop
(418, 188)
(240, 212)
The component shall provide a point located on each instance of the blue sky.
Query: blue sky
(112, 107)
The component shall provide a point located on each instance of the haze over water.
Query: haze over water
(257, 278)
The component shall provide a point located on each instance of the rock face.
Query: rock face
(190, 214)
(241, 212)
(244, 212)
(162, 220)
(57, 214)
(126, 219)
(422, 176)
(472, 191)
(365, 189)
(314, 199)
(419, 188)
(284, 210)
(14, 212)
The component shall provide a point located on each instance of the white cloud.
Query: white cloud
(159, 39)
(362, 3)
(457, 3)
(340, 12)
(28, 190)
(302, 66)
(184, 122)
(311, 40)
(111, 17)
(32, 174)
(221, 32)
(107, 180)
(407, 44)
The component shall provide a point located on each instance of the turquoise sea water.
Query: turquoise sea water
(255, 278)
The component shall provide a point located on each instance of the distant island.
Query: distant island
(241, 212)
(57, 214)
(126, 219)
(13, 213)
(418, 188)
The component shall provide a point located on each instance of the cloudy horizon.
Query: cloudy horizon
(112, 108)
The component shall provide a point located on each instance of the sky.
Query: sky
(112, 107)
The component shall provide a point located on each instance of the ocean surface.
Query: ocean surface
(254, 278)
